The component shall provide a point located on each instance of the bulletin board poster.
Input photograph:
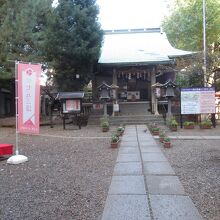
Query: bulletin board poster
(197, 100)
(28, 76)
(97, 106)
(72, 105)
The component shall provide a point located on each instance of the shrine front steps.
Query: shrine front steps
(136, 119)
(128, 119)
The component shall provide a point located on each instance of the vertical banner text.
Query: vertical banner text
(28, 97)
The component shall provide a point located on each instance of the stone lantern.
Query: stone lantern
(157, 90)
(169, 94)
(115, 102)
(104, 90)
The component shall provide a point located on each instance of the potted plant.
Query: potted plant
(189, 124)
(120, 131)
(105, 126)
(151, 126)
(207, 124)
(162, 136)
(173, 124)
(166, 142)
(155, 131)
(114, 141)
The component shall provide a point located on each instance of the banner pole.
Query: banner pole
(16, 106)
(16, 159)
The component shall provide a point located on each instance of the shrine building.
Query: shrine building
(134, 60)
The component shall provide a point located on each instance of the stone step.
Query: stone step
(126, 120)
(134, 122)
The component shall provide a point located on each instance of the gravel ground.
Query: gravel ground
(197, 164)
(67, 175)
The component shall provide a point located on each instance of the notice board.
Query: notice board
(197, 100)
(71, 106)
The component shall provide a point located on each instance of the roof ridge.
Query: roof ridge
(134, 30)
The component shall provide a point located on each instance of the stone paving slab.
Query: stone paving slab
(142, 131)
(144, 135)
(194, 137)
(127, 138)
(211, 137)
(129, 158)
(143, 140)
(147, 146)
(153, 157)
(130, 168)
(166, 185)
(128, 150)
(127, 185)
(130, 133)
(126, 207)
(141, 126)
(129, 144)
(151, 150)
(172, 207)
(158, 168)
(130, 127)
(189, 137)
(148, 143)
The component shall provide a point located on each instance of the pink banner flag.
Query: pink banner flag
(28, 97)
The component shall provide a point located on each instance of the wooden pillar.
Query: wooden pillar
(114, 77)
(115, 95)
(94, 88)
(153, 97)
(148, 84)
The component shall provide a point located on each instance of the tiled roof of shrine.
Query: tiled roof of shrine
(138, 46)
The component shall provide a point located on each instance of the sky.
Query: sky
(125, 14)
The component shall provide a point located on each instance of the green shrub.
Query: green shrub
(152, 125)
(207, 122)
(103, 119)
(120, 129)
(162, 134)
(188, 123)
(114, 139)
(105, 124)
(155, 129)
(172, 122)
(166, 139)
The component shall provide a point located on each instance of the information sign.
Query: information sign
(197, 100)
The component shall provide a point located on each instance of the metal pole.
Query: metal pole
(156, 107)
(169, 113)
(105, 109)
(204, 41)
(16, 159)
(16, 106)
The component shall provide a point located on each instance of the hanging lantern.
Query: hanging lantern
(170, 86)
(104, 91)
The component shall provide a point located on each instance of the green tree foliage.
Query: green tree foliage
(73, 42)
(184, 28)
(21, 26)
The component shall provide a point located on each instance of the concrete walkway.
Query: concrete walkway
(193, 137)
(144, 185)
